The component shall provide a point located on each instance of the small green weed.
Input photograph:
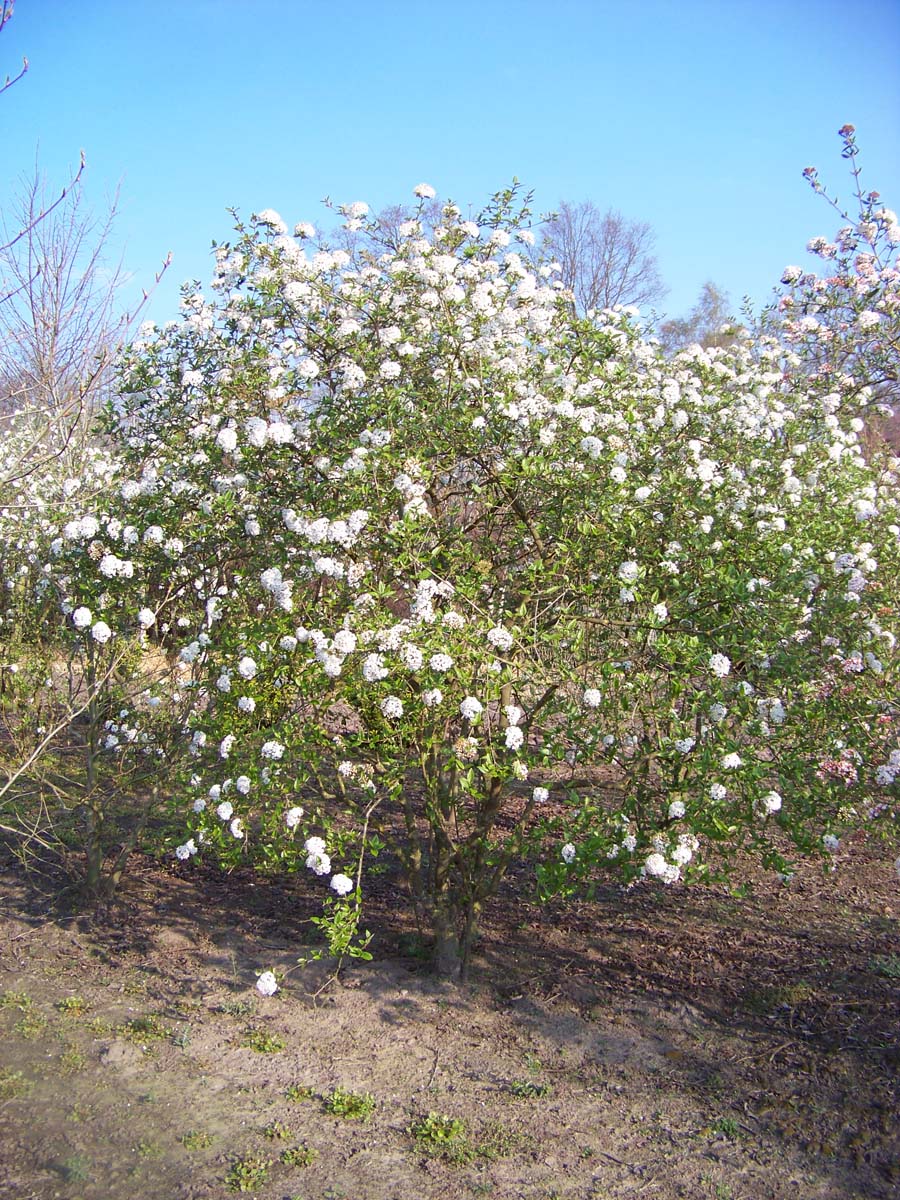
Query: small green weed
(886, 964)
(448, 1138)
(72, 1006)
(71, 1061)
(262, 1041)
(235, 1008)
(147, 1150)
(275, 1130)
(19, 1000)
(141, 1030)
(496, 1141)
(187, 1008)
(247, 1174)
(352, 1106)
(442, 1137)
(299, 1156)
(75, 1169)
(31, 1026)
(196, 1139)
(527, 1089)
(79, 1113)
(720, 1191)
(12, 1084)
(297, 1092)
(790, 995)
(728, 1126)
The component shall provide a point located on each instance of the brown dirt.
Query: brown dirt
(653, 1043)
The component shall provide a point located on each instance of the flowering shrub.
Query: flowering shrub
(845, 326)
(75, 678)
(449, 570)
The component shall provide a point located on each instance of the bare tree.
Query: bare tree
(59, 324)
(52, 306)
(34, 217)
(606, 258)
(707, 324)
(382, 231)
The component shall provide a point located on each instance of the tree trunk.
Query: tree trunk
(470, 932)
(446, 960)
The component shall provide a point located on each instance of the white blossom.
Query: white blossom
(318, 862)
(266, 984)
(101, 632)
(770, 802)
(392, 707)
(246, 667)
(82, 617)
(629, 571)
(500, 638)
(720, 665)
(514, 737)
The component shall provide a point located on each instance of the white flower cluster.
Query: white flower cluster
(887, 772)
(280, 588)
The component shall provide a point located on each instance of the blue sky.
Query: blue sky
(697, 117)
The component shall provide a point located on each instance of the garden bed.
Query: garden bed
(654, 1042)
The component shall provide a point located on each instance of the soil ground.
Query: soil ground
(652, 1043)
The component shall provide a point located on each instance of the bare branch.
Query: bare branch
(606, 259)
(71, 715)
(36, 218)
(61, 327)
(12, 79)
(5, 13)
(21, 287)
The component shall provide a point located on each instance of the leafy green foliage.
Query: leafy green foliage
(263, 1042)
(352, 1106)
(248, 1174)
